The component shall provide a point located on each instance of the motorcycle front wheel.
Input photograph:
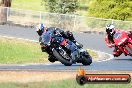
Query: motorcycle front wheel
(87, 59)
(51, 58)
(62, 57)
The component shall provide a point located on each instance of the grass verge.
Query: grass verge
(13, 51)
(69, 83)
(42, 79)
(92, 53)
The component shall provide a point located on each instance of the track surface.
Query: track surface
(91, 41)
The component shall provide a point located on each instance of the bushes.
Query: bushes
(61, 6)
(114, 9)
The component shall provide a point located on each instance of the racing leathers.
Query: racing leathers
(110, 42)
(58, 32)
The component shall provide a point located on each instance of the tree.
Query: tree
(61, 6)
(115, 9)
(3, 11)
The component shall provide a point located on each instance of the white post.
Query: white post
(74, 25)
(40, 17)
(112, 21)
(7, 12)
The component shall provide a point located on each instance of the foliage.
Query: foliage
(114, 9)
(61, 6)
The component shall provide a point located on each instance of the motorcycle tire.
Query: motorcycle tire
(87, 60)
(51, 58)
(61, 58)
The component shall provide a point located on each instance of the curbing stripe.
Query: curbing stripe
(19, 38)
(100, 53)
(110, 57)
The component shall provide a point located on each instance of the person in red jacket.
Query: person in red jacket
(110, 30)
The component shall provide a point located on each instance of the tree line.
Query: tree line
(111, 9)
(114, 9)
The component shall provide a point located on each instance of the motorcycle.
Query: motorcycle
(58, 50)
(123, 42)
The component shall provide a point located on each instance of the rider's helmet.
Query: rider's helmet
(40, 29)
(110, 29)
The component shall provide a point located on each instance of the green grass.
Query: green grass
(28, 5)
(69, 83)
(92, 53)
(13, 51)
(18, 52)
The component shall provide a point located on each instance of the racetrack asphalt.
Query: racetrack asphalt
(91, 41)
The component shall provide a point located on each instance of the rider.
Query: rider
(41, 29)
(110, 30)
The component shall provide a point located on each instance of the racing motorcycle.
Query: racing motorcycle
(57, 48)
(123, 42)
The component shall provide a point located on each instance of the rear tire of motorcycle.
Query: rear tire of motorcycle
(87, 61)
(61, 59)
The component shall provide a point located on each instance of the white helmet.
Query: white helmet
(110, 29)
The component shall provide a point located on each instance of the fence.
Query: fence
(67, 22)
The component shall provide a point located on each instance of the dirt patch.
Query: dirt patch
(32, 76)
(39, 76)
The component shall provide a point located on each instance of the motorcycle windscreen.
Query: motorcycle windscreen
(46, 38)
(120, 38)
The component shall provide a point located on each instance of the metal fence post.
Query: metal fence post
(40, 17)
(7, 12)
(74, 25)
(112, 21)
